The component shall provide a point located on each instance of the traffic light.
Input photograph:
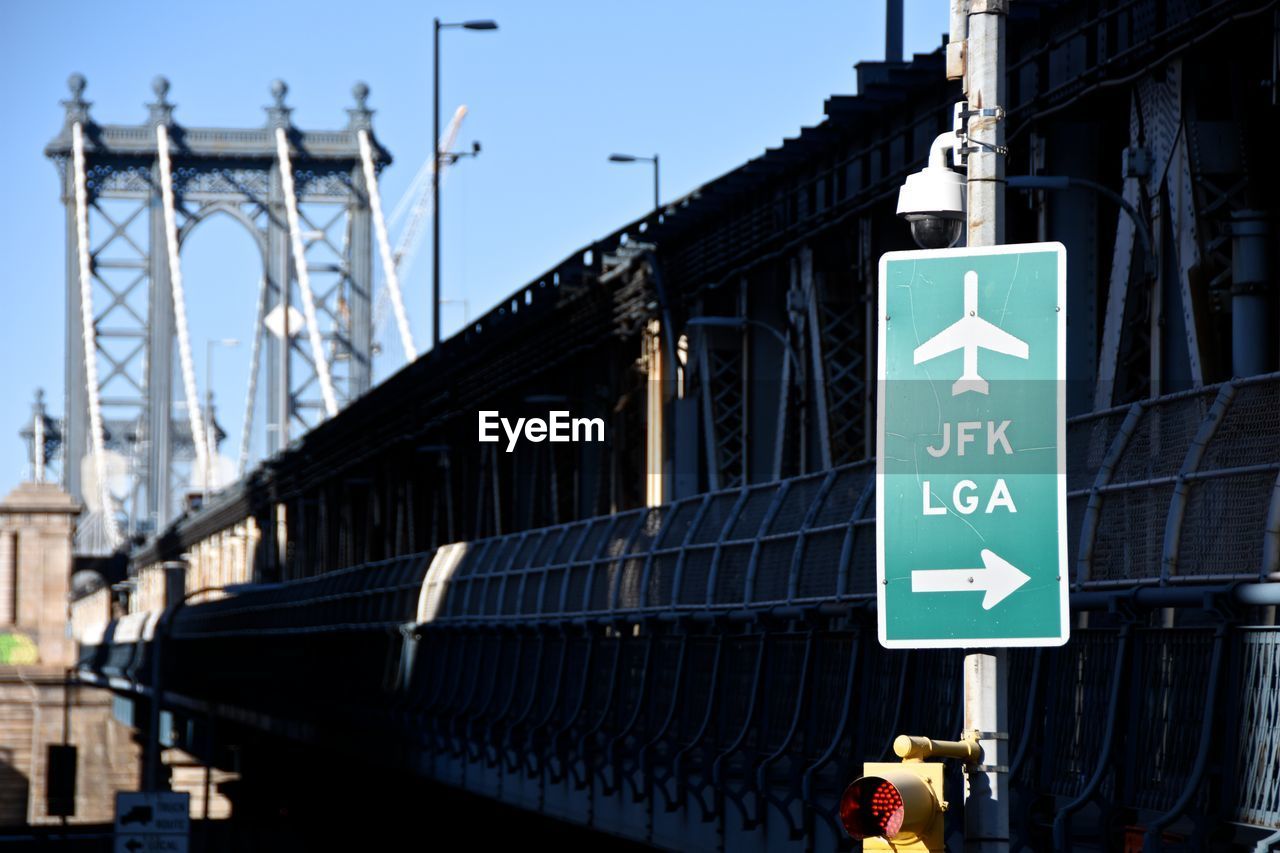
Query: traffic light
(899, 807)
(898, 803)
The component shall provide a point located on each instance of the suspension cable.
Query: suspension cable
(417, 203)
(89, 336)
(190, 391)
(384, 245)
(304, 277)
(246, 429)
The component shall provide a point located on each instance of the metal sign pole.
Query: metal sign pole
(986, 707)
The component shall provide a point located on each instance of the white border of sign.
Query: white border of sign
(1063, 569)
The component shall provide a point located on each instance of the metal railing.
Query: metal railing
(1177, 489)
(710, 662)
(375, 596)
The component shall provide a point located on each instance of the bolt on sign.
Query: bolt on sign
(971, 448)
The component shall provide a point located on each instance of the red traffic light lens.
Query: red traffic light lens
(872, 807)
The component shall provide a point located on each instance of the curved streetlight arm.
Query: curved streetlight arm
(1062, 182)
(637, 158)
(741, 323)
(467, 25)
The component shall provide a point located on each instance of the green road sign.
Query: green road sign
(971, 509)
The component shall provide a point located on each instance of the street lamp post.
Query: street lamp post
(740, 323)
(632, 158)
(209, 443)
(435, 172)
(986, 702)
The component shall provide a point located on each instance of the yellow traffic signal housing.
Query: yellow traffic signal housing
(899, 807)
(896, 807)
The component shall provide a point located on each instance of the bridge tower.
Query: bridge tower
(231, 171)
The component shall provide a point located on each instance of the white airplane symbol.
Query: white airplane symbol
(970, 333)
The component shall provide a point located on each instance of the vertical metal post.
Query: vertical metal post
(657, 199)
(435, 194)
(175, 591)
(893, 31)
(986, 704)
(985, 89)
(1159, 226)
(986, 790)
(208, 419)
(1250, 349)
(655, 490)
(867, 268)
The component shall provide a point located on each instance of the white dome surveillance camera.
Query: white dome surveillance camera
(933, 199)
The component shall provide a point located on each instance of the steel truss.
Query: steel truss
(216, 171)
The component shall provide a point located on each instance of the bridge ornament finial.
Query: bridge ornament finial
(77, 107)
(360, 117)
(278, 113)
(161, 111)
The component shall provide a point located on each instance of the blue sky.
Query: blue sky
(551, 94)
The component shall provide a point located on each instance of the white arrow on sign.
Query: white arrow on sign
(998, 580)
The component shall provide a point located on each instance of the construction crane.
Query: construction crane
(414, 209)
